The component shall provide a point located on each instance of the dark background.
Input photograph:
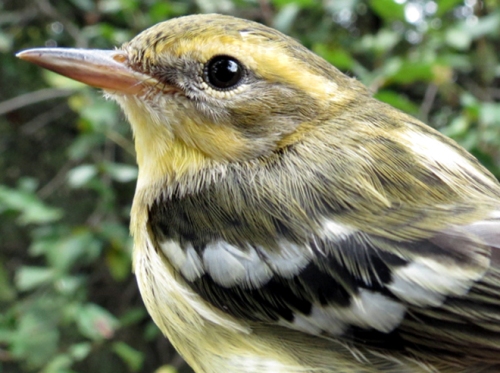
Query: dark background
(68, 301)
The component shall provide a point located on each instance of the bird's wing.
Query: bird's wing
(440, 292)
(400, 251)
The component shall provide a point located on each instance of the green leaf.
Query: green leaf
(486, 26)
(489, 114)
(121, 172)
(151, 331)
(457, 127)
(413, 71)
(28, 278)
(388, 10)
(119, 264)
(100, 114)
(458, 38)
(286, 17)
(380, 43)
(68, 285)
(32, 210)
(36, 337)
(59, 81)
(7, 291)
(462, 35)
(85, 144)
(95, 322)
(63, 248)
(84, 5)
(110, 6)
(6, 42)
(336, 56)
(446, 5)
(166, 369)
(80, 351)
(133, 358)
(300, 3)
(457, 61)
(81, 175)
(59, 364)
(80, 246)
(471, 140)
(336, 6)
(397, 100)
(133, 316)
(215, 6)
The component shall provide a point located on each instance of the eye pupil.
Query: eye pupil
(224, 72)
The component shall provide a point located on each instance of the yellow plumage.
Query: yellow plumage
(285, 221)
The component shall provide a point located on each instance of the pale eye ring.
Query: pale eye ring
(223, 73)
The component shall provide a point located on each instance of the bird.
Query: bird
(286, 221)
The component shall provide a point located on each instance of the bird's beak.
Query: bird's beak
(98, 68)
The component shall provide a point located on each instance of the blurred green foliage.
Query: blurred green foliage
(68, 300)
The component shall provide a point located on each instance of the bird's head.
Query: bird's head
(209, 88)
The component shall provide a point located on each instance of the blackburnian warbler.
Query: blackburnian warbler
(285, 220)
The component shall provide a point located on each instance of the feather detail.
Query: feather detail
(386, 281)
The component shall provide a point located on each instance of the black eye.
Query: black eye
(223, 72)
